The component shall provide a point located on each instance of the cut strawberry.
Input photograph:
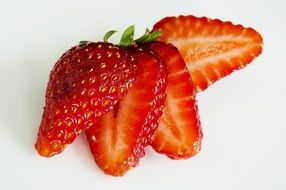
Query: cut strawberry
(179, 132)
(211, 49)
(85, 83)
(117, 141)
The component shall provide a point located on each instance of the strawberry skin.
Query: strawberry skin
(85, 83)
(118, 139)
(179, 132)
(211, 49)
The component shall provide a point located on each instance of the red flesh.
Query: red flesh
(212, 49)
(117, 141)
(179, 132)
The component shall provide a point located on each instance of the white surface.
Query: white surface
(242, 115)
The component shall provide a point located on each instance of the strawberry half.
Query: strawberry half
(179, 132)
(211, 49)
(118, 139)
(85, 83)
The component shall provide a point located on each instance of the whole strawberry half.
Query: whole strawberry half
(179, 132)
(118, 139)
(85, 83)
(212, 49)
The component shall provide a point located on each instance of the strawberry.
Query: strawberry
(118, 139)
(211, 49)
(179, 132)
(85, 83)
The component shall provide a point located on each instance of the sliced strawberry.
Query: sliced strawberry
(86, 82)
(179, 132)
(211, 49)
(117, 141)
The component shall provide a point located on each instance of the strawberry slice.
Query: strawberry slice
(118, 139)
(86, 82)
(179, 132)
(211, 49)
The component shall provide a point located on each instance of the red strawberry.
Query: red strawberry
(211, 49)
(179, 132)
(86, 82)
(117, 141)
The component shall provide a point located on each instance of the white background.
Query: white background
(242, 115)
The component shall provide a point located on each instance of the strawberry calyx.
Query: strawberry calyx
(127, 38)
(148, 36)
(108, 34)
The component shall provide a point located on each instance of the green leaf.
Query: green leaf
(153, 36)
(148, 37)
(144, 37)
(83, 42)
(108, 34)
(127, 37)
